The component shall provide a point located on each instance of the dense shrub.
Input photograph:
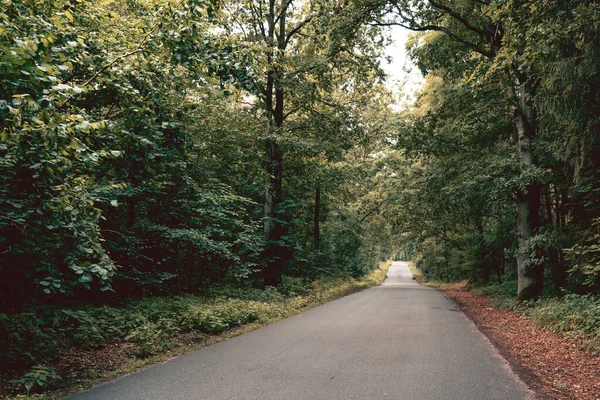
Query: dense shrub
(150, 324)
(573, 315)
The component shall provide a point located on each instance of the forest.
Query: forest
(159, 153)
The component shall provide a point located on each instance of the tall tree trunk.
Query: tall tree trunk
(530, 273)
(273, 229)
(317, 216)
(559, 270)
(269, 145)
(481, 251)
(446, 261)
(269, 150)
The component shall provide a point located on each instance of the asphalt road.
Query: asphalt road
(399, 340)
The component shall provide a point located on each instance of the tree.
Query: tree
(296, 58)
(490, 32)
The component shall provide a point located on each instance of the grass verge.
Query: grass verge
(87, 346)
(415, 271)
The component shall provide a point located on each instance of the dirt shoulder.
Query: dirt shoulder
(554, 366)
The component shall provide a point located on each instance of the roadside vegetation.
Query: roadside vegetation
(182, 168)
(574, 315)
(145, 331)
(171, 170)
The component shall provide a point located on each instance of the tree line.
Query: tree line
(152, 147)
(501, 149)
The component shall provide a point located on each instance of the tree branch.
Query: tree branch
(110, 64)
(374, 209)
(453, 36)
(296, 30)
(138, 49)
(258, 16)
(461, 19)
(283, 11)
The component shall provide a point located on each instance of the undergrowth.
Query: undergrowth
(150, 326)
(573, 315)
(415, 271)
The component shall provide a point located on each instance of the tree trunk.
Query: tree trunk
(268, 219)
(481, 251)
(559, 270)
(498, 275)
(317, 216)
(273, 229)
(530, 273)
(446, 262)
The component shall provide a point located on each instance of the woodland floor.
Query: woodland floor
(554, 366)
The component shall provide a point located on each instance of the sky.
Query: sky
(404, 76)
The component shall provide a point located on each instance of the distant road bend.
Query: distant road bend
(399, 340)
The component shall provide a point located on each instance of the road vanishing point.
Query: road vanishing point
(399, 340)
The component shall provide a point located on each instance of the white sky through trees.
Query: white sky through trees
(404, 77)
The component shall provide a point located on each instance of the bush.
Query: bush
(151, 338)
(292, 287)
(26, 338)
(80, 326)
(149, 325)
(38, 378)
(220, 316)
(574, 314)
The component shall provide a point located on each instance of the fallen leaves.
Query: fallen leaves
(556, 367)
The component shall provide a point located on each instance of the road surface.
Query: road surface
(396, 341)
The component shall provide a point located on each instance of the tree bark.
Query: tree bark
(273, 229)
(317, 216)
(446, 262)
(268, 206)
(530, 273)
(481, 251)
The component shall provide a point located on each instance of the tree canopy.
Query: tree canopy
(153, 147)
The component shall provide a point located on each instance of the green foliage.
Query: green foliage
(572, 314)
(38, 378)
(577, 315)
(503, 295)
(585, 259)
(131, 151)
(49, 225)
(27, 338)
(151, 338)
(220, 316)
(147, 327)
(292, 287)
